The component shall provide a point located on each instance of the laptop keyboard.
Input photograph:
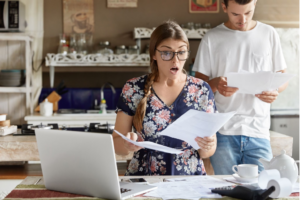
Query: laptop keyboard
(123, 190)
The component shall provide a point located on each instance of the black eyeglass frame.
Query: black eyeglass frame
(173, 55)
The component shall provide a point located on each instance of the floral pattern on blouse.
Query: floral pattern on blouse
(196, 94)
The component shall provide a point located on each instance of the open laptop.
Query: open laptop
(83, 163)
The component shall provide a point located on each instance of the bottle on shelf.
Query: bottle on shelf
(62, 43)
(103, 106)
(73, 44)
(82, 45)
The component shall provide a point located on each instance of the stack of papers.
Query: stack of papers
(188, 188)
(256, 83)
(196, 123)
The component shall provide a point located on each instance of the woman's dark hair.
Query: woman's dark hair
(168, 29)
(241, 2)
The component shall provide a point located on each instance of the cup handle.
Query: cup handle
(233, 169)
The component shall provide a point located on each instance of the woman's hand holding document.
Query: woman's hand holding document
(256, 83)
(151, 145)
(195, 124)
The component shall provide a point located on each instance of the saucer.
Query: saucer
(245, 180)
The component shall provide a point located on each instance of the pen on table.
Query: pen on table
(37, 181)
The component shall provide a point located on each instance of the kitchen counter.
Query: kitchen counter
(24, 148)
(74, 120)
(284, 112)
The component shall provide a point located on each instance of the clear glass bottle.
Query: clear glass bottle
(82, 45)
(73, 44)
(103, 48)
(62, 42)
(134, 49)
(121, 49)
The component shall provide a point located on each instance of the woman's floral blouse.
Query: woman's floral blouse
(197, 95)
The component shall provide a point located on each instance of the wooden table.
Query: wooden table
(28, 184)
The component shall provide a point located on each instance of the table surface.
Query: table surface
(36, 183)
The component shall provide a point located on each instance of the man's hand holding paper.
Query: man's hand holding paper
(258, 82)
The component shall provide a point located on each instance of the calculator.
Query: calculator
(244, 192)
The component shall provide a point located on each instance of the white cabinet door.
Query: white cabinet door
(288, 126)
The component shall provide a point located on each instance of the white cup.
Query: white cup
(246, 170)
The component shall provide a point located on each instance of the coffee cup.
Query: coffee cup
(246, 170)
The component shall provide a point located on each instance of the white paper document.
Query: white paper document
(188, 188)
(194, 124)
(256, 83)
(151, 145)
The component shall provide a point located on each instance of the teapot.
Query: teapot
(286, 166)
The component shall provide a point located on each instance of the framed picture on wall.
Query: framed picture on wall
(204, 6)
(78, 16)
(122, 3)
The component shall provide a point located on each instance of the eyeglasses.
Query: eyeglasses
(169, 55)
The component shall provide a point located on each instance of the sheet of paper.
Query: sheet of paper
(181, 190)
(256, 83)
(151, 145)
(196, 123)
(188, 188)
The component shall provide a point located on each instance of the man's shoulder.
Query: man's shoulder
(214, 32)
(265, 27)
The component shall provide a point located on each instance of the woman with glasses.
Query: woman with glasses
(150, 103)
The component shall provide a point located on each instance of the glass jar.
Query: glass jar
(104, 48)
(190, 25)
(207, 25)
(134, 49)
(198, 25)
(121, 49)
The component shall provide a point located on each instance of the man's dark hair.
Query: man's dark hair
(241, 2)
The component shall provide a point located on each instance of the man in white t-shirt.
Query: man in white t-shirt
(240, 44)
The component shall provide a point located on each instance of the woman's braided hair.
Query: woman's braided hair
(168, 29)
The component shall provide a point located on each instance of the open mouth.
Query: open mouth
(174, 70)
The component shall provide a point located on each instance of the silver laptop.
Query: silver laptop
(83, 163)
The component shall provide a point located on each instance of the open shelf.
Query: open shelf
(14, 89)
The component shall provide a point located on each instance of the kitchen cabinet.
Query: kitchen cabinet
(17, 39)
(287, 124)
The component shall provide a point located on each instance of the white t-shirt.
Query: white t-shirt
(224, 50)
